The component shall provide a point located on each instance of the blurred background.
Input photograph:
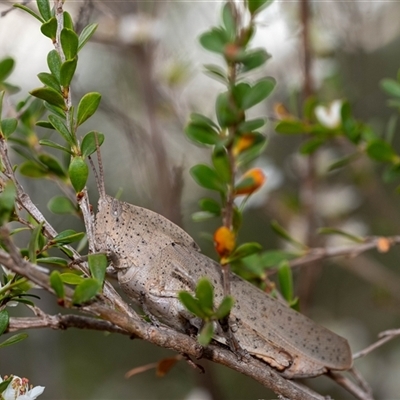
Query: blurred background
(146, 62)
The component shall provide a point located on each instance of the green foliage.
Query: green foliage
(57, 284)
(202, 305)
(7, 201)
(86, 291)
(78, 172)
(4, 320)
(97, 265)
(44, 9)
(87, 106)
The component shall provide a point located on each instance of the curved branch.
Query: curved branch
(321, 253)
(130, 323)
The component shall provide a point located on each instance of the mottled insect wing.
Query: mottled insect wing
(269, 329)
(157, 259)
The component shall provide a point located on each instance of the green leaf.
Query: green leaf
(200, 216)
(32, 169)
(380, 150)
(68, 236)
(192, 304)
(260, 91)
(251, 125)
(71, 279)
(286, 280)
(61, 262)
(7, 202)
(227, 112)
(87, 106)
(229, 20)
(53, 165)
(225, 307)
(200, 119)
(34, 243)
(50, 95)
(312, 145)
(8, 126)
(215, 40)
(207, 177)
(55, 110)
(14, 339)
(57, 284)
(391, 173)
(271, 258)
(334, 231)
(258, 146)
(221, 163)
(6, 67)
(280, 231)
(29, 11)
(86, 291)
(2, 93)
(54, 63)
(245, 250)
(205, 295)
(5, 383)
(342, 162)
(390, 129)
(255, 6)
(290, 127)
(89, 145)
(49, 80)
(206, 334)
(69, 43)
(78, 172)
(67, 71)
(59, 125)
(68, 23)
(44, 9)
(61, 205)
(391, 87)
(49, 143)
(49, 29)
(4, 320)
(210, 205)
(216, 72)
(201, 133)
(86, 34)
(98, 264)
(253, 59)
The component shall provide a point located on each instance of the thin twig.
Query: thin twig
(357, 391)
(166, 337)
(321, 253)
(384, 336)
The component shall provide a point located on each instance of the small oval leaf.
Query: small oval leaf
(78, 173)
(86, 291)
(87, 106)
(89, 144)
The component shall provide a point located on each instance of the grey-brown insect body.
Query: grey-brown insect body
(156, 259)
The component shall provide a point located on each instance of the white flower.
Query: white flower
(19, 389)
(330, 116)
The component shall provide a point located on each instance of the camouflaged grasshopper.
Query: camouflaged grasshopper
(156, 259)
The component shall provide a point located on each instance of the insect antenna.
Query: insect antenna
(99, 176)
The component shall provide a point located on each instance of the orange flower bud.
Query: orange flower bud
(243, 143)
(224, 241)
(252, 180)
(281, 111)
(231, 51)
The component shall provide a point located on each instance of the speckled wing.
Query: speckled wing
(266, 328)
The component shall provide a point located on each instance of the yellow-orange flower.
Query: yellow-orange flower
(252, 180)
(224, 241)
(243, 143)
